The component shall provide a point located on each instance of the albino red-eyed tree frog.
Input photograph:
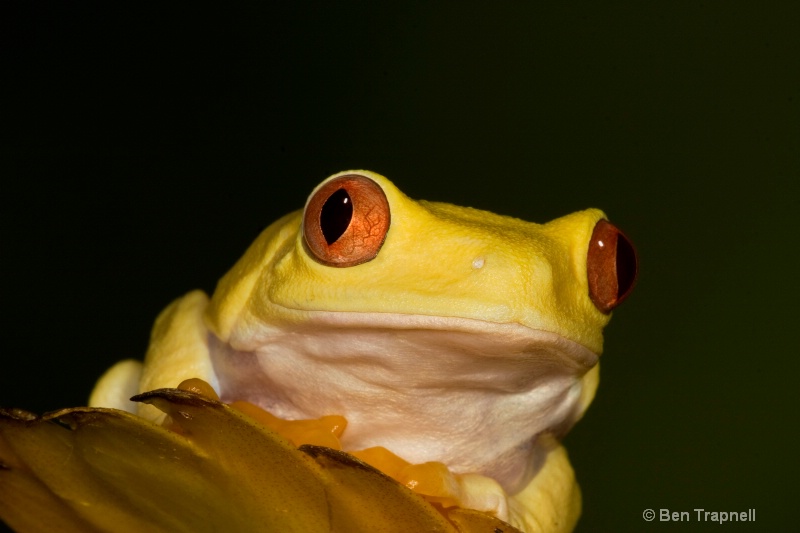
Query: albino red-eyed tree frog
(441, 333)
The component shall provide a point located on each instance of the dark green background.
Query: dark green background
(143, 150)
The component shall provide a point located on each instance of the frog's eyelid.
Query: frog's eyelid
(346, 221)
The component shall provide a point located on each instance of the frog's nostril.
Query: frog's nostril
(611, 266)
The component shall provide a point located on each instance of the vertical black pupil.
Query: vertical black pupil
(336, 215)
(626, 265)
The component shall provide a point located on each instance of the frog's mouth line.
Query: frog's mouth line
(472, 394)
(466, 335)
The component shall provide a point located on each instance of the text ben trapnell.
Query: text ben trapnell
(665, 515)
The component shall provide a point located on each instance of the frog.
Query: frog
(441, 333)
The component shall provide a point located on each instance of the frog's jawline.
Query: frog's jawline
(468, 393)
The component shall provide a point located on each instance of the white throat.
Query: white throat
(471, 394)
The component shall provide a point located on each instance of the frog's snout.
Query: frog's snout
(611, 266)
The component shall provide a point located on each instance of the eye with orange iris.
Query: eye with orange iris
(611, 266)
(346, 221)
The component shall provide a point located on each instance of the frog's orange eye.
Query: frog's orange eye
(611, 266)
(346, 221)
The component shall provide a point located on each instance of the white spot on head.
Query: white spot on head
(478, 262)
(601, 244)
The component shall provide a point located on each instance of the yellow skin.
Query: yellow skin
(470, 339)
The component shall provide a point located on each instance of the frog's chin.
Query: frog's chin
(472, 394)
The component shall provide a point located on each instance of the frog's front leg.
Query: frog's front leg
(552, 500)
(116, 386)
(178, 350)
